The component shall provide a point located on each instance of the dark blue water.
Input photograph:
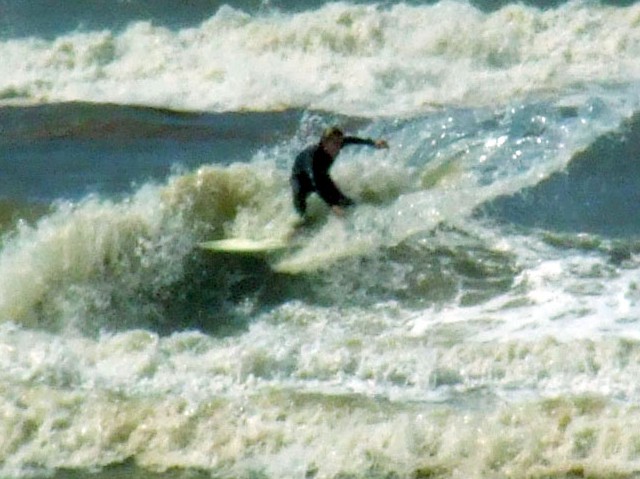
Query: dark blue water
(599, 192)
(67, 151)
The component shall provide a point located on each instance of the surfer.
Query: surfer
(311, 170)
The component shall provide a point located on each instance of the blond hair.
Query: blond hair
(332, 132)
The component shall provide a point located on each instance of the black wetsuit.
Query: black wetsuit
(311, 174)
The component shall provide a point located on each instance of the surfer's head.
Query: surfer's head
(332, 139)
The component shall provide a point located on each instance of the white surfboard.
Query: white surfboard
(245, 245)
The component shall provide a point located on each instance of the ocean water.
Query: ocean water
(477, 315)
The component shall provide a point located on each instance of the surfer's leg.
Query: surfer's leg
(300, 192)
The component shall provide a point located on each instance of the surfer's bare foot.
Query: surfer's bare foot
(338, 211)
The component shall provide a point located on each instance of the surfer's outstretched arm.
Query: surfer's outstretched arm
(354, 140)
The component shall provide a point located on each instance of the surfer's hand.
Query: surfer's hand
(381, 144)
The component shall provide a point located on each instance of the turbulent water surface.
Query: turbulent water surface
(477, 315)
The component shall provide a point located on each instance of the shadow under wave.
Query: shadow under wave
(222, 294)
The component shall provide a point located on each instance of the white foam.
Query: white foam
(304, 384)
(77, 258)
(368, 60)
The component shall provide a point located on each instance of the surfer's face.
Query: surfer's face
(333, 144)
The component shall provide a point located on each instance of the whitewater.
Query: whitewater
(358, 59)
(476, 315)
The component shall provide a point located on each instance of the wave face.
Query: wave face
(474, 316)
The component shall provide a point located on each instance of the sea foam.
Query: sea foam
(367, 60)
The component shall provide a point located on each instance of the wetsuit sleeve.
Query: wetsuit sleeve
(354, 140)
(328, 190)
